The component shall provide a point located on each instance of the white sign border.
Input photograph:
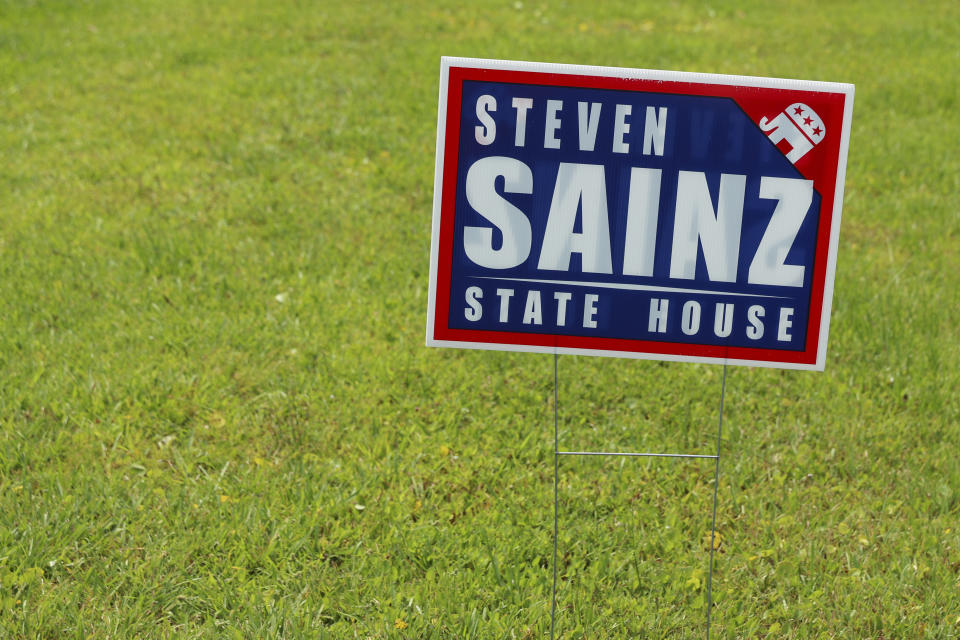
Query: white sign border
(447, 62)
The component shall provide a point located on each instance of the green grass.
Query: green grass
(217, 418)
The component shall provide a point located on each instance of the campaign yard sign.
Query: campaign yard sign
(636, 213)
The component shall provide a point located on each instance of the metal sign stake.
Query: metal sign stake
(556, 463)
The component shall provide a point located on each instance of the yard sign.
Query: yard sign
(635, 213)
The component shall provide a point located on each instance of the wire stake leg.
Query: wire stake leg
(556, 462)
(716, 484)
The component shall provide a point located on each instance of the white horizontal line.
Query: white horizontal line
(630, 287)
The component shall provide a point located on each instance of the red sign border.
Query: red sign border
(833, 98)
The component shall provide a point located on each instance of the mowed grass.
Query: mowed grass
(217, 418)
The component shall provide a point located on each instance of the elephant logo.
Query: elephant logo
(799, 125)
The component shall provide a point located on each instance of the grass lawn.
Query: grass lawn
(218, 418)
